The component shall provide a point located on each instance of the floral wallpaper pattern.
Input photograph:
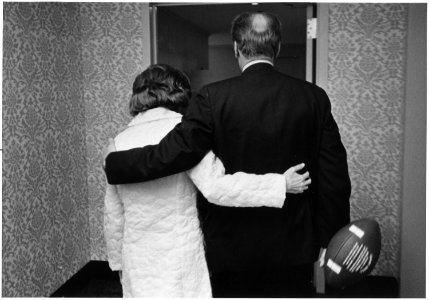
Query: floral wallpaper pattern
(366, 84)
(113, 54)
(67, 75)
(45, 195)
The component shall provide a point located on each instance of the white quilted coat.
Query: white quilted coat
(152, 230)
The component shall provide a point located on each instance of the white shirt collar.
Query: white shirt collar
(257, 61)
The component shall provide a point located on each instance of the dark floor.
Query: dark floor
(370, 287)
(97, 280)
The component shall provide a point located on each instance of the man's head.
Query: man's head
(256, 35)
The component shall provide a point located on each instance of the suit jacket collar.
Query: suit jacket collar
(258, 67)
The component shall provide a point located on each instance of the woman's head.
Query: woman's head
(160, 86)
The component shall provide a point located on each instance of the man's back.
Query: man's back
(265, 121)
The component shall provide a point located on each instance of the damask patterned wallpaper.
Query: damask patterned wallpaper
(366, 84)
(45, 195)
(67, 75)
(115, 50)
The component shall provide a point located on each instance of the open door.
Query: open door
(196, 38)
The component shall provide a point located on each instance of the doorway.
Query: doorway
(196, 39)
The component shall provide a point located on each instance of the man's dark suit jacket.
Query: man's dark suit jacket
(262, 121)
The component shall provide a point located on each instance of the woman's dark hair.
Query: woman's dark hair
(160, 85)
(254, 40)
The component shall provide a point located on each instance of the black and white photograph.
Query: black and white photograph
(214, 149)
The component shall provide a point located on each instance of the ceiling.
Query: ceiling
(217, 18)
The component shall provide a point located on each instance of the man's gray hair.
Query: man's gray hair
(257, 34)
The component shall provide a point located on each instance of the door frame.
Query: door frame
(321, 64)
(313, 55)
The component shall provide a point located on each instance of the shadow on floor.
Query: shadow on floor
(96, 279)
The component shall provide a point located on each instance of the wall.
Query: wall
(366, 84)
(413, 234)
(67, 75)
(180, 44)
(115, 41)
(222, 65)
(45, 196)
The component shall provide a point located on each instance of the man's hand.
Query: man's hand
(322, 256)
(110, 148)
(296, 183)
(319, 281)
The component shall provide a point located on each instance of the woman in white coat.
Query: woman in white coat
(152, 229)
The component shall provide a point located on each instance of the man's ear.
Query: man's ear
(236, 52)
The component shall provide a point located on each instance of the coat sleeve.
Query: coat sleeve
(113, 227)
(179, 150)
(333, 181)
(239, 189)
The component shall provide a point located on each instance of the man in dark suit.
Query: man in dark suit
(262, 121)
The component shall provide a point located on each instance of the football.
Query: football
(352, 253)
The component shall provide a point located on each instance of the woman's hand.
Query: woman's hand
(296, 183)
